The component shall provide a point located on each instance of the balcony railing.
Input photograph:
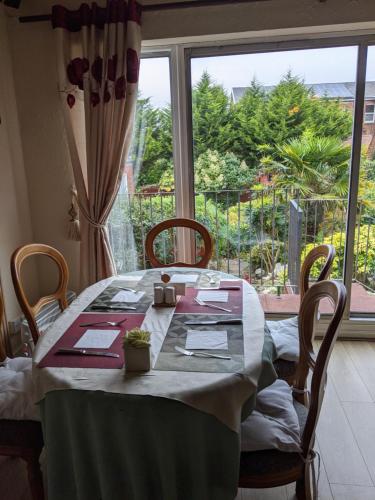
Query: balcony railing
(261, 236)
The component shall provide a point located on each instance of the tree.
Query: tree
(246, 131)
(211, 116)
(151, 149)
(292, 109)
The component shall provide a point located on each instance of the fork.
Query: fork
(109, 323)
(199, 354)
(202, 303)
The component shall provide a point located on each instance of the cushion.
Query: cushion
(274, 423)
(285, 337)
(16, 390)
(255, 464)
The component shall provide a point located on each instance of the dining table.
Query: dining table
(170, 433)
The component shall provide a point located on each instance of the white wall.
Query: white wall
(15, 220)
(46, 156)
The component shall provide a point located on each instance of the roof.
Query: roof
(340, 90)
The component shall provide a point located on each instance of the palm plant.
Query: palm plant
(316, 166)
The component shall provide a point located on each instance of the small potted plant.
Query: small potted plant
(136, 346)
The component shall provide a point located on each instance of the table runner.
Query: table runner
(169, 359)
(105, 297)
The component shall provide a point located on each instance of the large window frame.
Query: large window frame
(180, 56)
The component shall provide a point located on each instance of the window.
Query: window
(141, 202)
(369, 113)
(219, 145)
(272, 146)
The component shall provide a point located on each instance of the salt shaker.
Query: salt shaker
(158, 295)
(170, 295)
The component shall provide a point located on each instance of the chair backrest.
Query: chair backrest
(167, 224)
(326, 251)
(30, 311)
(313, 398)
(3, 346)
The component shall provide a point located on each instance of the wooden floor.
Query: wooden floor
(346, 435)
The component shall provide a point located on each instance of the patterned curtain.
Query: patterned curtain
(98, 52)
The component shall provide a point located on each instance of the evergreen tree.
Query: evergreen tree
(246, 131)
(211, 116)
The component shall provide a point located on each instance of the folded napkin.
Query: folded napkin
(97, 339)
(184, 278)
(127, 296)
(206, 339)
(213, 296)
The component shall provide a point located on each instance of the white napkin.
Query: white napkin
(127, 296)
(207, 339)
(184, 278)
(99, 339)
(213, 296)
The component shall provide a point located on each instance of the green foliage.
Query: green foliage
(252, 129)
(152, 141)
(265, 253)
(215, 172)
(137, 338)
(211, 116)
(247, 124)
(314, 165)
(364, 254)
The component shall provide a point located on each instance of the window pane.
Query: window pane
(146, 195)
(272, 144)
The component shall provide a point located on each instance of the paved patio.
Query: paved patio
(362, 302)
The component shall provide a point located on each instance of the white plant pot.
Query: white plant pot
(137, 359)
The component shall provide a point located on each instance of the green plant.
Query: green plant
(313, 165)
(364, 254)
(137, 338)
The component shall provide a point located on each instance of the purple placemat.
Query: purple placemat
(187, 305)
(75, 332)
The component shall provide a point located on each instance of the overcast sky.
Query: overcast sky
(314, 66)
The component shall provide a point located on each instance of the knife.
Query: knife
(229, 288)
(114, 308)
(83, 352)
(234, 321)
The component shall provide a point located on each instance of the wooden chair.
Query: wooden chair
(30, 311)
(22, 438)
(167, 224)
(286, 369)
(271, 468)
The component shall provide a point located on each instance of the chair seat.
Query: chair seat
(16, 402)
(256, 466)
(286, 338)
(274, 423)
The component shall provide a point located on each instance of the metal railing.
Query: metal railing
(260, 235)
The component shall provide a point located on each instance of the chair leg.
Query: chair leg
(35, 479)
(301, 489)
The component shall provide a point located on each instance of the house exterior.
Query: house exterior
(345, 93)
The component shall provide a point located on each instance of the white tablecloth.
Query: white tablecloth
(218, 394)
